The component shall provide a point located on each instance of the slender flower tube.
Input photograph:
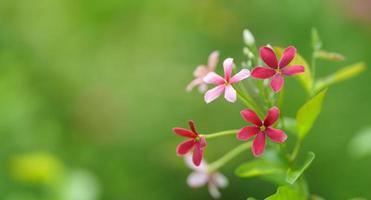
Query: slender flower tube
(201, 71)
(261, 129)
(224, 84)
(196, 141)
(277, 70)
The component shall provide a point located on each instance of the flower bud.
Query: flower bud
(248, 37)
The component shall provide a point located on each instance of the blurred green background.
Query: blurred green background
(89, 92)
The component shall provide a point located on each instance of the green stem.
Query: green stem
(221, 133)
(314, 65)
(296, 150)
(248, 102)
(229, 156)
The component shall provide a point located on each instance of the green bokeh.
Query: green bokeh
(99, 85)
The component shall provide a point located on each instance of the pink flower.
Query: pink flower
(201, 71)
(224, 84)
(196, 141)
(261, 129)
(201, 176)
(276, 69)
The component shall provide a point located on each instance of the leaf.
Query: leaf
(331, 56)
(293, 175)
(316, 41)
(341, 75)
(290, 124)
(360, 144)
(258, 168)
(304, 78)
(308, 114)
(287, 193)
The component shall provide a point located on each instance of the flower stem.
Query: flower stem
(228, 156)
(248, 102)
(221, 133)
(296, 150)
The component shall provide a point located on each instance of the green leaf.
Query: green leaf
(341, 75)
(331, 56)
(308, 114)
(258, 168)
(290, 124)
(304, 78)
(287, 193)
(316, 41)
(293, 175)
(360, 144)
(251, 198)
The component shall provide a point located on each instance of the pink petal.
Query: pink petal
(194, 83)
(214, 93)
(247, 132)
(184, 132)
(287, 56)
(277, 82)
(214, 191)
(213, 60)
(200, 71)
(197, 154)
(202, 142)
(189, 162)
(214, 78)
(258, 145)
(276, 135)
(262, 73)
(272, 116)
(197, 179)
(184, 147)
(250, 116)
(230, 94)
(243, 74)
(228, 66)
(269, 57)
(192, 126)
(293, 70)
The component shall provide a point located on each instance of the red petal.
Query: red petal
(269, 57)
(185, 147)
(184, 132)
(293, 70)
(277, 82)
(250, 116)
(247, 132)
(287, 56)
(276, 135)
(192, 126)
(262, 73)
(258, 145)
(198, 152)
(272, 116)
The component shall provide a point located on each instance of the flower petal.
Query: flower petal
(230, 94)
(293, 70)
(243, 74)
(250, 116)
(220, 180)
(258, 145)
(277, 82)
(213, 78)
(228, 66)
(189, 162)
(214, 93)
(247, 132)
(197, 179)
(269, 57)
(200, 71)
(214, 191)
(194, 83)
(287, 56)
(213, 60)
(202, 142)
(184, 147)
(184, 132)
(276, 135)
(198, 153)
(191, 125)
(262, 72)
(272, 116)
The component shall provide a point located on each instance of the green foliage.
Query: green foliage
(330, 56)
(287, 193)
(304, 78)
(308, 113)
(360, 145)
(341, 75)
(316, 41)
(294, 174)
(258, 167)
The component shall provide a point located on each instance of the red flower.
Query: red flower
(276, 69)
(197, 142)
(261, 129)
